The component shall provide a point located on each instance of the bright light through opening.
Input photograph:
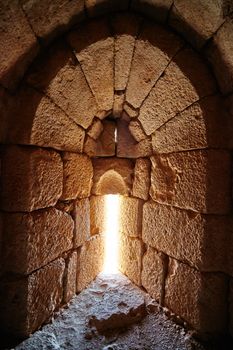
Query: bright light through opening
(111, 210)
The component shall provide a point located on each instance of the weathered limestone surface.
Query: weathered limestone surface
(153, 273)
(77, 176)
(141, 181)
(48, 18)
(31, 178)
(130, 216)
(130, 258)
(90, 261)
(199, 298)
(59, 75)
(130, 110)
(94, 48)
(203, 124)
(197, 180)
(18, 43)
(197, 20)
(81, 215)
(199, 240)
(70, 277)
(42, 123)
(112, 175)
(126, 28)
(136, 130)
(97, 215)
(119, 98)
(95, 129)
(28, 302)
(184, 82)
(99, 7)
(156, 9)
(155, 47)
(219, 54)
(33, 240)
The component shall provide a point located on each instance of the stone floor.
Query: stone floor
(112, 314)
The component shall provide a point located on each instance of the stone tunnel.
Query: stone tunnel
(133, 98)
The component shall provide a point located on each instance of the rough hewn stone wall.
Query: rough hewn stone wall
(171, 160)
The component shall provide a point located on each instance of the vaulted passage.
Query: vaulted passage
(116, 153)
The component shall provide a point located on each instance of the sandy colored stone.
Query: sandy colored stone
(199, 298)
(219, 53)
(96, 129)
(94, 48)
(77, 176)
(118, 105)
(33, 240)
(154, 48)
(48, 18)
(130, 216)
(59, 75)
(185, 81)
(125, 141)
(70, 277)
(112, 176)
(99, 7)
(199, 240)
(197, 20)
(90, 261)
(126, 27)
(42, 123)
(141, 181)
(130, 110)
(28, 302)
(81, 216)
(136, 130)
(130, 258)
(18, 43)
(153, 273)
(97, 215)
(31, 178)
(156, 9)
(197, 180)
(203, 124)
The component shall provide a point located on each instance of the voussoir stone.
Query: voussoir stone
(60, 77)
(42, 123)
(197, 180)
(31, 178)
(30, 242)
(130, 216)
(77, 176)
(70, 277)
(141, 181)
(199, 298)
(81, 214)
(156, 9)
(94, 47)
(37, 295)
(97, 215)
(154, 48)
(90, 261)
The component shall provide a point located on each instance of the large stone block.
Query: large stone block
(58, 74)
(94, 47)
(18, 44)
(154, 48)
(197, 20)
(90, 261)
(204, 124)
(99, 7)
(199, 298)
(48, 18)
(112, 176)
(196, 180)
(130, 258)
(185, 81)
(77, 176)
(81, 215)
(130, 216)
(70, 277)
(33, 240)
(154, 268)
(199, 240)
(219, 53)
(156, 9)
(31, 178)
(141, 181)
(97, 208)
(126, 28)
(42, 123)
(26, 303)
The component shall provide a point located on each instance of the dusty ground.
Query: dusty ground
(110, 302)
